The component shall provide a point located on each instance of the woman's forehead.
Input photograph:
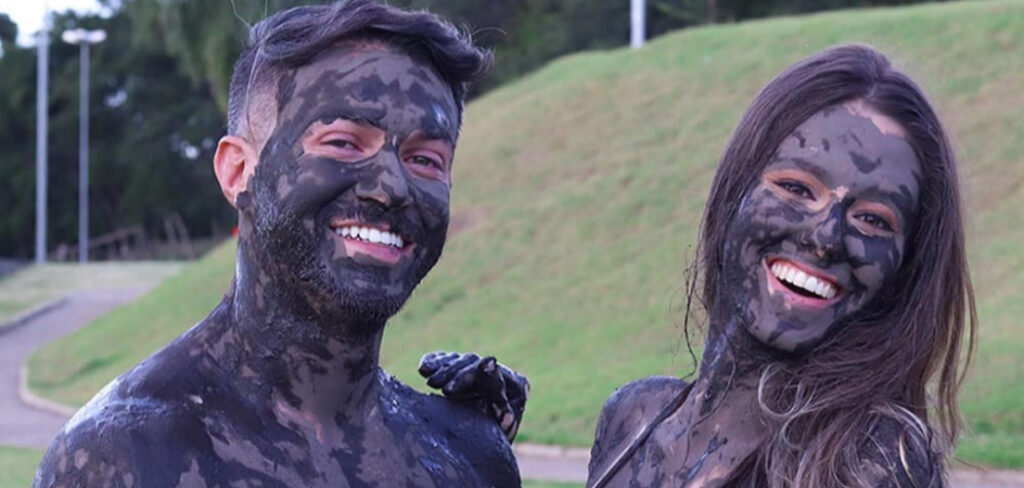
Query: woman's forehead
(847, 144)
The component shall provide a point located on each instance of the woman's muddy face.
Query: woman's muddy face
(823, 230)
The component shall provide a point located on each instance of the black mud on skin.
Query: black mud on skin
(481, 383)
(812, 206)
(280, 385)
(825, 233)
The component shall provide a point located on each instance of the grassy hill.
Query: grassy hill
(577, 192)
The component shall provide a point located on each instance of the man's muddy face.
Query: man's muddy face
(823, 230)
(351, 193)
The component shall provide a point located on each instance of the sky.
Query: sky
(28, 14)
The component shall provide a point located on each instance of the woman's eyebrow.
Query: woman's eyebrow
(801, 164)
(901, 201)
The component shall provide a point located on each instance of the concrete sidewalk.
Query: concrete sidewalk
(569, 465)
(23, 425)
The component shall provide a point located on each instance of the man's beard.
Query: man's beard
(312, 281)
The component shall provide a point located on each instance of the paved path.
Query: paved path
(20, 424)
(25, 426)
(569, 465)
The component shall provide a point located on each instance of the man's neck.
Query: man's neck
(306, 363)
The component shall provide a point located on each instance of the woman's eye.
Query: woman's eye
(795, 188)
(875, 221)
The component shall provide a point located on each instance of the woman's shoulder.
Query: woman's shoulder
(643, 394)
(628, 411)
(900, 450)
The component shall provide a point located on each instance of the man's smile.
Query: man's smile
(800, 284)
(375, 240)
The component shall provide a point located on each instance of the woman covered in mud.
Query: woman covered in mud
(831, 265)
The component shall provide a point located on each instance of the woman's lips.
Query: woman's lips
(817, 290)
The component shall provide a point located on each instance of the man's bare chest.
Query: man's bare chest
(314, 455)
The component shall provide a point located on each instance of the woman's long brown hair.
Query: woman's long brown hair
(821, 406)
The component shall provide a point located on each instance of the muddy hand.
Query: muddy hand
(483, 383)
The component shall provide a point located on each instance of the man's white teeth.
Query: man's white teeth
(375, 236)
(799, 279)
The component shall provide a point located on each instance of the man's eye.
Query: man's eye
(796, 189)
(425, 161)
(342, 144)
(875, 221)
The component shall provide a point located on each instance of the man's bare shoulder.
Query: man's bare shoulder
(145, 425)
(453, 428)
(116, 440)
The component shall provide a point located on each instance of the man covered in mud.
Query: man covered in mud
(343, 121)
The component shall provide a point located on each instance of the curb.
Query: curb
(37, 402)
(24, 317)
(993, 477)
(551, 452)
(25, 395)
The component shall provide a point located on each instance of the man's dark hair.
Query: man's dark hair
(291, 38)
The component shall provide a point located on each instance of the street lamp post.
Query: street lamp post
(637, 23)
(42, 81)
(83, 39)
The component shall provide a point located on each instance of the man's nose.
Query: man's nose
(387, 184)
(825, 238)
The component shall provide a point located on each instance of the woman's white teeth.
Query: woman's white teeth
(375, 236)
(799, 279)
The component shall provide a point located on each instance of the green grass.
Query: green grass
(18, 466)
(39, 284)
(536, 484)
(115, 342)
(577, 192)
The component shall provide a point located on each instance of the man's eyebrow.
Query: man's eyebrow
(439, 133)
(368, 117)
(363, 121)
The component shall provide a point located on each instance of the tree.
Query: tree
(152, 136)
(8, 29)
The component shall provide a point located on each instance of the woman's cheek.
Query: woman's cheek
(878, 260)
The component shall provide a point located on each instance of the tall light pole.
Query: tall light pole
(42, 75)
(637, 23)
(83, 39)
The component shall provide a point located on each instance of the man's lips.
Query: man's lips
(374, 240)
(801, 284)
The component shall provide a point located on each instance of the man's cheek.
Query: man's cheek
(317, 182)
(434, 204)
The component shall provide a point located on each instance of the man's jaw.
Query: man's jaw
(376, 240)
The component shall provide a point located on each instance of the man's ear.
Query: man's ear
(234, 163)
